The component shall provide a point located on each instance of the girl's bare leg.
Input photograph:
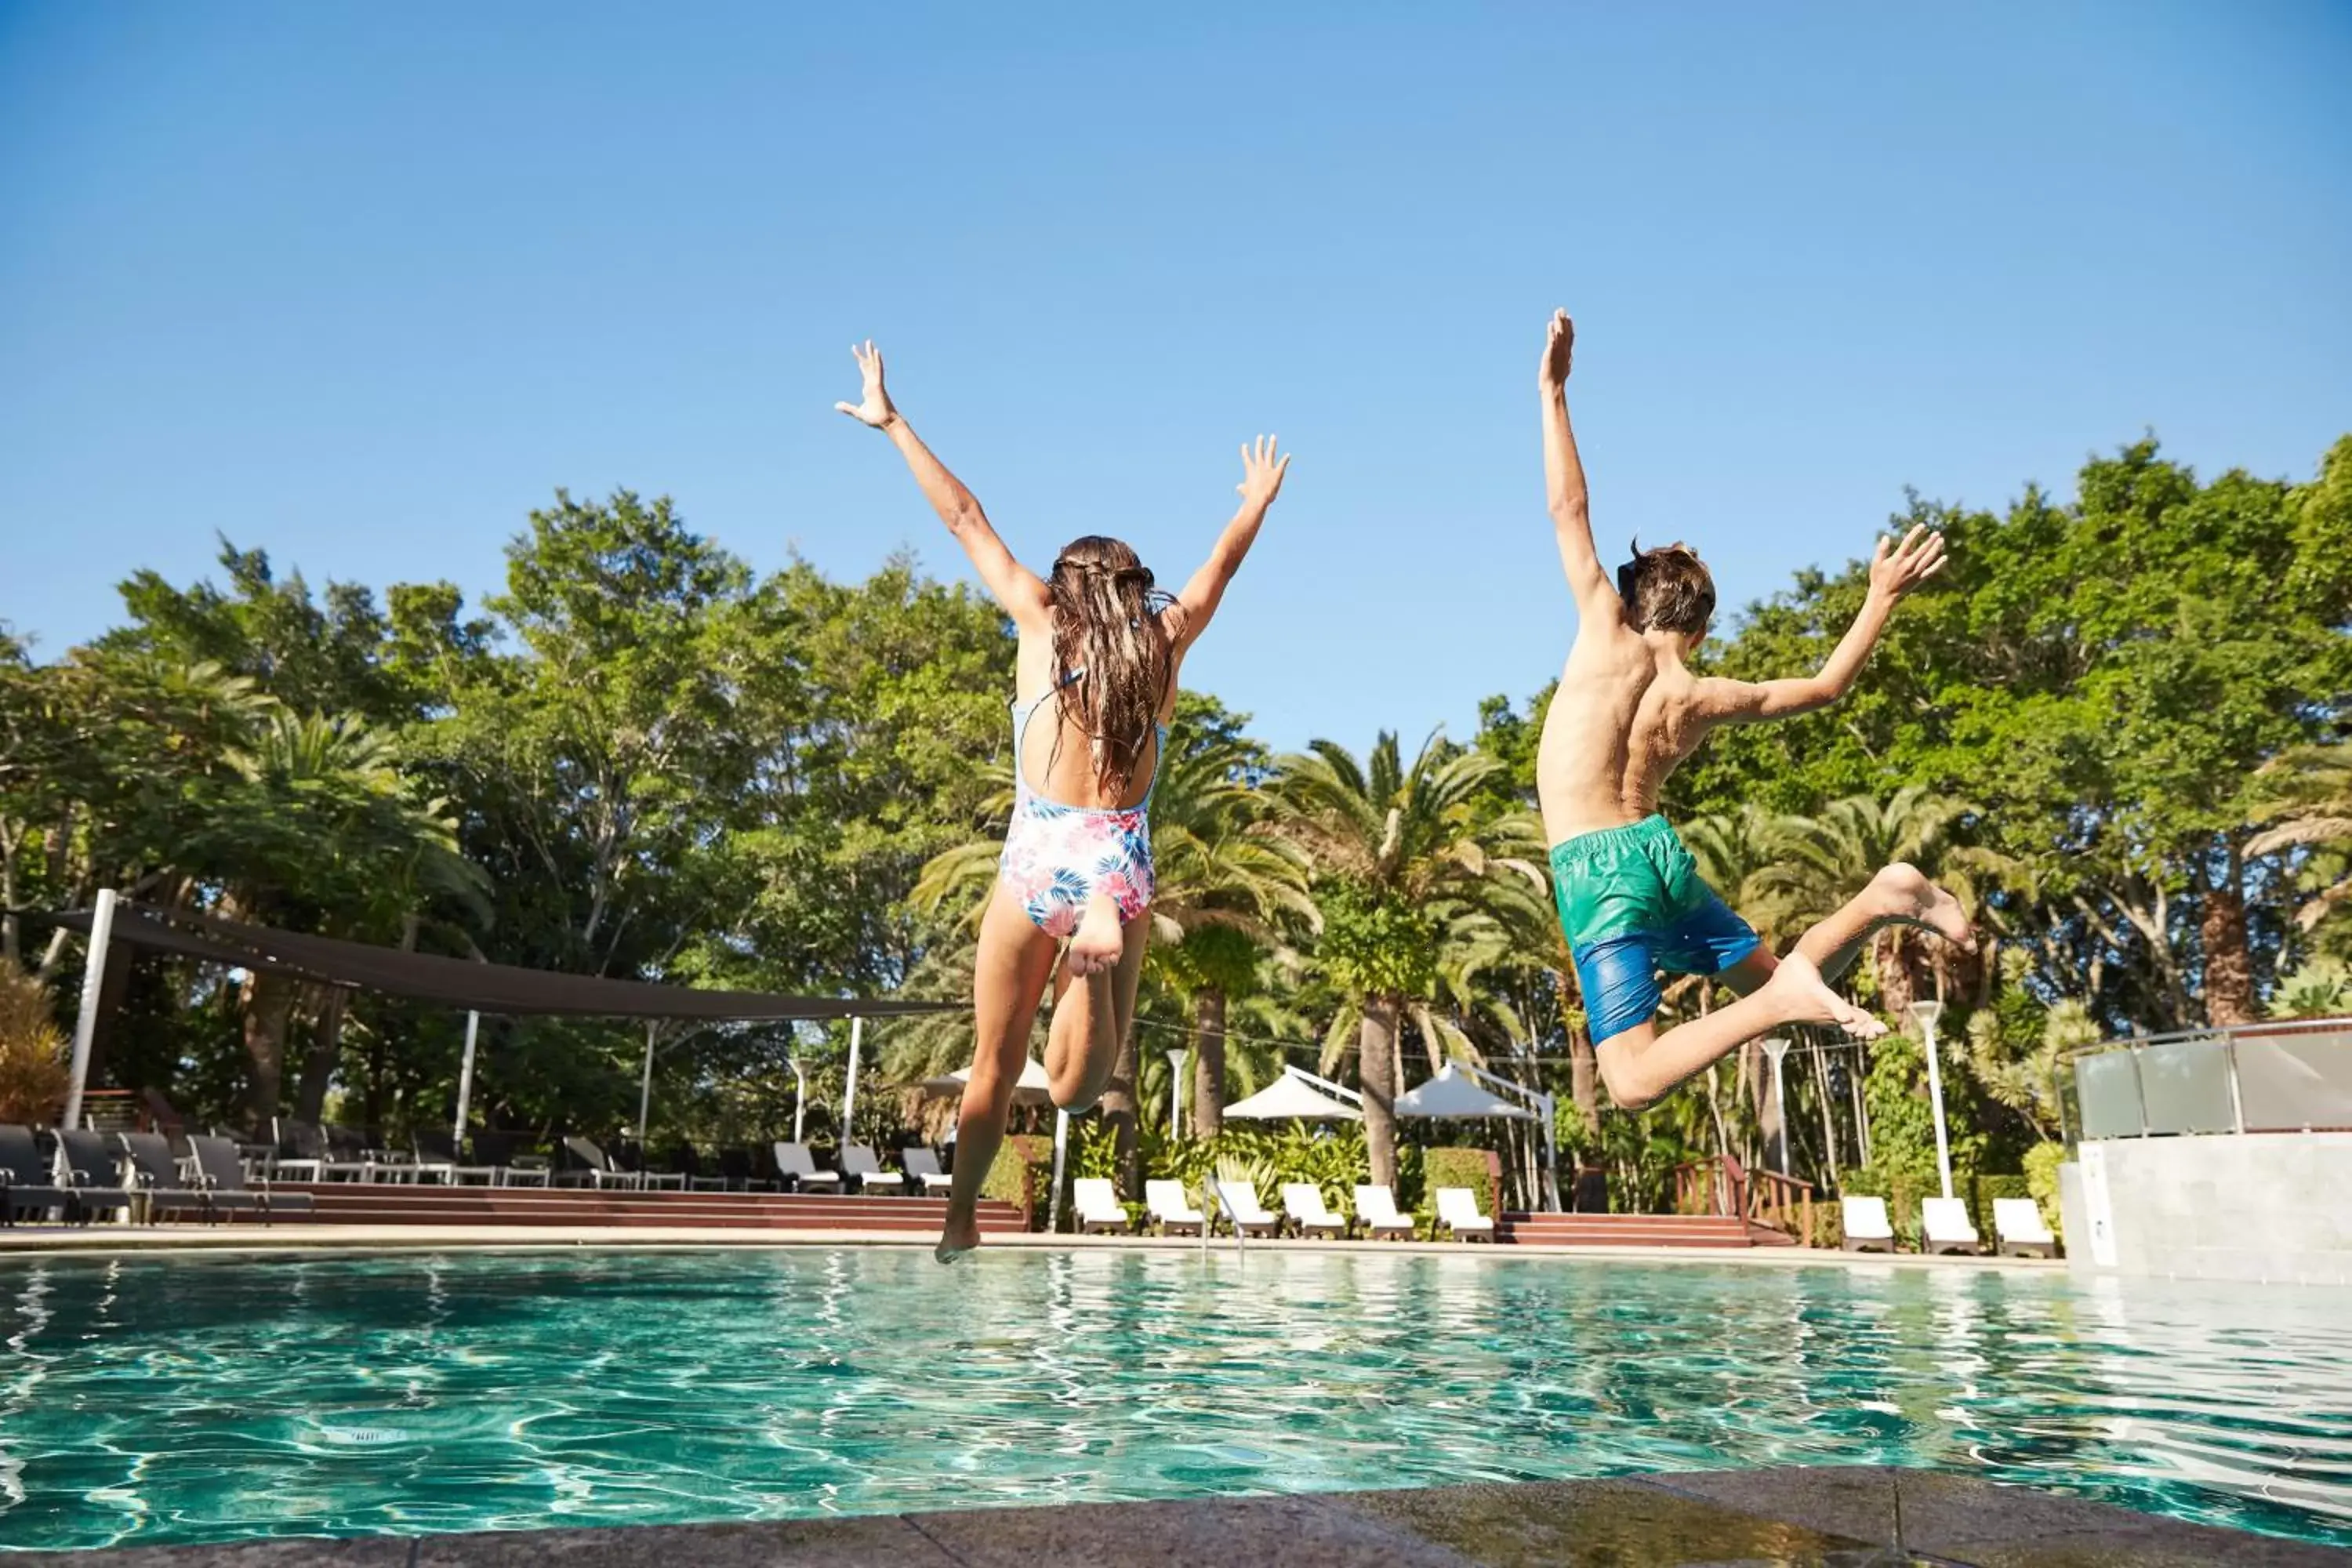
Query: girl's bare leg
(1008, 977)
(1091, 1015)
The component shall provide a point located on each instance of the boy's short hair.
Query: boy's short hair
(1668, 589)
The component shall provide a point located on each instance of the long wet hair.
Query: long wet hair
(1107, 635)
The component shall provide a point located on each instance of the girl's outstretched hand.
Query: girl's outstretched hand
(874, 407)
(1261, 471)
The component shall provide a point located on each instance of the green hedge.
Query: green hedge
(1471, 1168)
(1008, 1180)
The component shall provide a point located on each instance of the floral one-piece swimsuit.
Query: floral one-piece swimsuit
(1057, 857)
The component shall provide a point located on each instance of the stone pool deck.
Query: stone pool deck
(1832, 1517)
(33, 1240)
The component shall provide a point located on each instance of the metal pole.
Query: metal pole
(1548, 1105)
(645, 1094)
(93, 986)
(1176, 1094)
(849, 1095)
(1928, 1012)
(1061, 1152)
(464, 1085)
(1774, 1050)
(800, 1096)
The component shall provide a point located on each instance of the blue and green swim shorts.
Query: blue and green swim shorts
(1633, 903)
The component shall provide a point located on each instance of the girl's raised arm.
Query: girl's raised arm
(1017, 588)
(1261, 474)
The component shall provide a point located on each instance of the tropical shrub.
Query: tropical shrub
(34, 1075)
(2041, 1163)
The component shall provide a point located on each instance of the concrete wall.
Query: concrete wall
(2269, 1206)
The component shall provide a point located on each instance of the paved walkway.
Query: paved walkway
(1829, 1518)
(311, 1238)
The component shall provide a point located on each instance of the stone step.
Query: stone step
(1624, 1230)
(378, 1203)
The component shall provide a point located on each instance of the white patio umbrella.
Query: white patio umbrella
(1033, 1087)
(1295, 1096)
(1454, 1097)
(1460, 1094)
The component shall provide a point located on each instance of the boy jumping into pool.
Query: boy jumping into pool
(1099, 654)
(1626, 713)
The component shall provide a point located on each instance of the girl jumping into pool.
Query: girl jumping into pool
(1094, 683)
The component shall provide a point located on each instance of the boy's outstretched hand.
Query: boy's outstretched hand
(1261, 471)
(1896, 569)
(874, 407)
(1559, 348)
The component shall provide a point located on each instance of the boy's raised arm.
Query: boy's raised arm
(1895, 571)
(1261, 474)
(1017, 588)
(1572, 514)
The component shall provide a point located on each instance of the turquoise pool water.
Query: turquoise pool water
(161, 1400)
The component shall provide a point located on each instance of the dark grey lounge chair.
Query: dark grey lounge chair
(510, 1165)
(220, 1177)
(594, 1169)
(738, 1168)
(26, 1185)
(93, 1169)
(155, 1175)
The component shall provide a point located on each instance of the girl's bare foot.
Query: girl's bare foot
(1806, 998)
(960, 1236)
(1914, 901)
(1096, 946)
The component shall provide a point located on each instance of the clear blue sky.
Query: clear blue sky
(363, 284)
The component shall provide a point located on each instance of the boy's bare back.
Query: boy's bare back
(1628, 711)
(1625, 715)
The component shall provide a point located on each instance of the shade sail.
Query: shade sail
(1455, 1097)
(1033, 1087)
(1291, 1097)
(457, 982)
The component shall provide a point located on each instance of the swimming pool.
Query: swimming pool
(154, 1400)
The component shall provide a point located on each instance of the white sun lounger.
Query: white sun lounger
(793, 1160)
(1867, 1228)
(2018, 1223)
(858, 1161)
(1376, 1207)
(1098, 1207)
(1241, 1207)
(1309, 1215)
(1944, 1222)
(1457, 1211)
(1167, 1206)
(924, 1166)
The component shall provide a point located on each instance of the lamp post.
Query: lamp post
(1774, 1050)
(1926, 1013)
(1176, 1092)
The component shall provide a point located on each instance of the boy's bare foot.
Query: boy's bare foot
(1099, 942)
(959, 1237)
(1806, 998)
(1914, 901)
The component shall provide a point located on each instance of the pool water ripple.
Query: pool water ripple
(156, 1400)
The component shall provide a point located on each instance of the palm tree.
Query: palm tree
(321, 822)
(1418, 889)
(1222, 881)
(2308, 798)
(1821, 861)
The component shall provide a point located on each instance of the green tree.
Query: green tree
(1416, 887)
